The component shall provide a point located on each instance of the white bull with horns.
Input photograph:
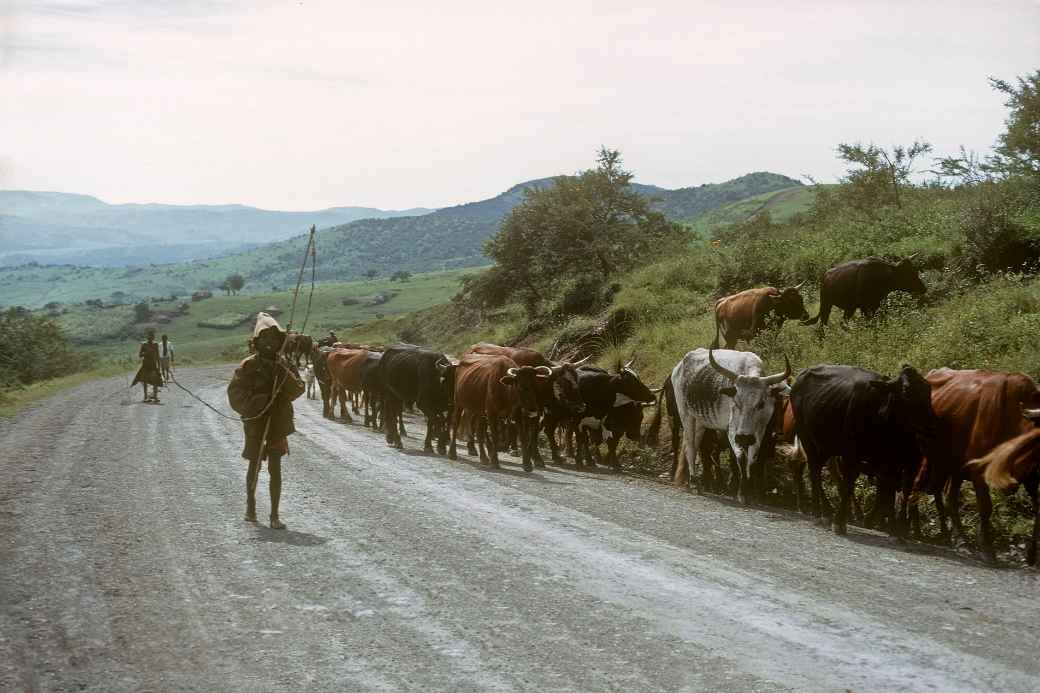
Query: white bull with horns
(724, 390)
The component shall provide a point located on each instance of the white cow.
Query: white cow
(724, 390)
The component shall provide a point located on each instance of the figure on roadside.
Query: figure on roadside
(149, 372)
(328, 340)
(262, 391)
(166, 358)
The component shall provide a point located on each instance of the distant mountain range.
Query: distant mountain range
(447, 238)
(58, 228)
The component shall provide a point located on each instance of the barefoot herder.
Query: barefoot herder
(249, 393)
(149, 372)
(166, 357)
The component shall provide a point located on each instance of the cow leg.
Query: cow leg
(568, 440)
(985, 505)
(524, 426)
(534, 425)
(356, 399)
(1032, 483)
(549, 423)
(676, 446)
(797, 467)
(849, 474)
(953, 505)
(481, 435)
(431, 429)
(453, 453)
(495, 430)
(390, 414)
(612, 458)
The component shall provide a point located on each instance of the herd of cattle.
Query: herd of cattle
(912, 433)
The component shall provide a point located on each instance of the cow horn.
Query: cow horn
(578, 363)
(543, 369)
(780, 377)
(1031, 413)
(512, 372)
(629, 364)
(911, 257)
(656, 390)
(721, 370)
(797, 287)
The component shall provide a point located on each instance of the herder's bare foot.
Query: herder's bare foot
(277, 524)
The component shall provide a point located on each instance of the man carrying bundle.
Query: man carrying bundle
(149, 373)
(267, 422)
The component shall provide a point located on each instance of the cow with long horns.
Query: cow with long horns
(613, 408)
(863, 285)
(724, 390)
(742, 315)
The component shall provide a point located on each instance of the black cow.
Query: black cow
(416, 374)
(877, 426)
(319, 359)
(603, 393)
(863, 285)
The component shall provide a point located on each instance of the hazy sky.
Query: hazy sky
(302, 105)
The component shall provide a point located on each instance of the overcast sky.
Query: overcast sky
(304, 105)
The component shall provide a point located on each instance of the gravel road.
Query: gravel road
(125, 565)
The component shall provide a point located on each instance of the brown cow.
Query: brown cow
(345, 368)
(490, 388)
(1016, 462)
(742, 315)
(977, 410)
(558, 395)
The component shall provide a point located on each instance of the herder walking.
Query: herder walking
(267, 423)
(149, 373)
(166, 357)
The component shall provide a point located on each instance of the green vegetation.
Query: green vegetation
(33, 348)
(781, 205)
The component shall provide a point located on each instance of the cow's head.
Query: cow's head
(789, 303)
(755, 398)
(525, 380)
(626, 383)
(906, 277)
(445, 401)
(908, 402)
(564, 381)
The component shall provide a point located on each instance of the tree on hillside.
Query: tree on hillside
(589, 226)
(876, 177)
(371, 273)
(142, 312)
(1018, 148)
(234, 283)
(401, 276)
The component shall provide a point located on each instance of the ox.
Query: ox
(742, 315)
(725, 390)
(346, 367)
(558, 395)
(490, 388)
(1014, 462)
(297, 345)
(863, 285)
(603, 393)
(319, 359)
(977, 410)
(874, 424)
(410, 373)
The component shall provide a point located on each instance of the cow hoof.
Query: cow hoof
(453, 455)
(840, 529)
(539, 464)
(528, 467)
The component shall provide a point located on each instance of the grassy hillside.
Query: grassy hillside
(449, 238)
(110, 333)
(781, 205)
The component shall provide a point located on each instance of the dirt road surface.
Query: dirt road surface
(125, 565)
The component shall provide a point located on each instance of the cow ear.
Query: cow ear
(729, 391)
(507, 379)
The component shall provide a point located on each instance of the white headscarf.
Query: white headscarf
(264, 321)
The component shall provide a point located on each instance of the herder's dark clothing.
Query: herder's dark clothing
(149, 372)
(248, 393)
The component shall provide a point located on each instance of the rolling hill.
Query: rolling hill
(448, 238)
(57, 228)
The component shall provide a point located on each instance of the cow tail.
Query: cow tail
(793, 451)
(653, 431)
(1010, 462)
(715, 344)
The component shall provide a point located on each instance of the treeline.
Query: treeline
(33, 348)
